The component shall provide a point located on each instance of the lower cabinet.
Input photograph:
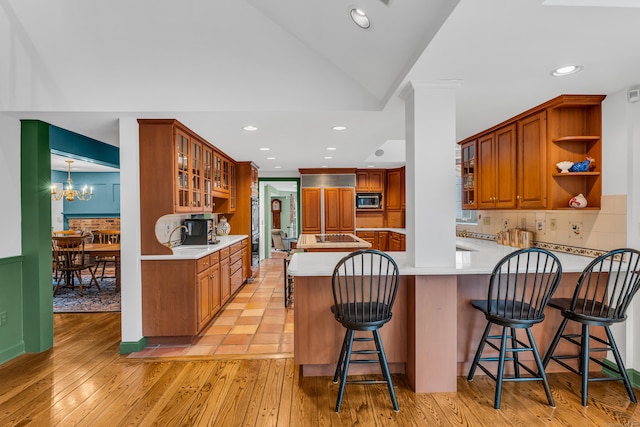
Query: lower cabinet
(180, 297)
(383, 240)
(208, 292)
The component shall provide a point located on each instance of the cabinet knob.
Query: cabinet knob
(518, 197)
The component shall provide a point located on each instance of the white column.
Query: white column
(430, 174)
(131, 290)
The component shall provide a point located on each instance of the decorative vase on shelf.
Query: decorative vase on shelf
(578, 201)
(224, 228)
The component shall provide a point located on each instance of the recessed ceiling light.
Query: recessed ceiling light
(370, 166)
(339, 128)
(264, 148)
(325, 166)
(277, 167)
(379, 152)
(328, 157)
(331, 148)
(566, 70)
(250, 128)
(360, 18)
(271, 158)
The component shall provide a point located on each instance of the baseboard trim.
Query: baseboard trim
(12, 352)
(127, 347)
(634, 376)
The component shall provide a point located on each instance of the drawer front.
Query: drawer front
(203, 263)
(366, 234)
(215, 258)
(245, 243)
(236, 247)
(235, 257)
(224, 253)
(236, 266)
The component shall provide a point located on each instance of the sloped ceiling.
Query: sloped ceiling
(294, 68)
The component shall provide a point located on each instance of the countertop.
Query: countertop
(308, 241)
(196, 251)
(474, 256)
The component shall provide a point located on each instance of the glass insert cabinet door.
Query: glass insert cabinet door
(182, 169)
(468, 175)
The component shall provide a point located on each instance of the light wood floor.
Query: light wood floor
(84, 381)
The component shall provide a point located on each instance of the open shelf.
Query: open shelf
(559, 174)
(576, 138)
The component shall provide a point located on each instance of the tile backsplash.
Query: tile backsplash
(597, 230)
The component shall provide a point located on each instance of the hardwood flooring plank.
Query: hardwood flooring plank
(286, 394)
(213, 394)
(269, 404)
(304, 407)
(257, 392)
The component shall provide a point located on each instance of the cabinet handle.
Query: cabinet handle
(518, 197)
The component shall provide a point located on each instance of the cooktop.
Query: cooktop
(335, 238)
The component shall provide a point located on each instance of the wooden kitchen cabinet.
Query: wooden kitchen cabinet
(207, 178)
(520, 171)
(339, 210)
(208, 290)
(310, 210)
(243, 186)
(179, 297)
(497, 169)
(370, 181)
(189, 172)
(393, 195)
(225, 276)
(221, 175)
(382, 240)
(468, 152)
(532, 166)
(369, 237)
(397, 242)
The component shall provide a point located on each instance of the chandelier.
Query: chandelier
(69, 193)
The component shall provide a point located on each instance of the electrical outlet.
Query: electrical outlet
(3, 318)
(505, 224)
(486, 220)
(540, 226)
(553, 224)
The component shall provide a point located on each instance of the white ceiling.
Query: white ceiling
(294, 68)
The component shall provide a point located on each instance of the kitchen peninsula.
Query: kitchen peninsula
(331, 243)
(434, 331)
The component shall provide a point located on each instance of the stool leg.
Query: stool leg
(514, 344)
(541, 370)
(554, 343)
(500, 376)
(340, 364)
(623, 371)
(343, 381)
(584, 362)
(385, 369)
(476, 359)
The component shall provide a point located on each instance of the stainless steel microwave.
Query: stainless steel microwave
(368, 201)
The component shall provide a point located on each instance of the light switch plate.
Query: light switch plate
(486, 220)
(540, 226)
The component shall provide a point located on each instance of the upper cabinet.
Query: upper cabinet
(310, 210)
(513, 164)
(497, 169)
(468, 152)
(178, 174)
(370, 181)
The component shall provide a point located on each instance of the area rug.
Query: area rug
(68, 300)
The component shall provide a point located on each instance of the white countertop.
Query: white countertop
(195, 251)
(474, 256)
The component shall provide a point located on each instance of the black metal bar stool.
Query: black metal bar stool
(603, 294)
(365, 284)
(520, 287)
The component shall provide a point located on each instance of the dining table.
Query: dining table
(106, 250)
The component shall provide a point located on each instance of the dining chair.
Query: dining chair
(106, 237)
(70, 261)
(520, 288)
(364, 285)
(601, 298)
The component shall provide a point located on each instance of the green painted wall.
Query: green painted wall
(11, 338)
(37, 295)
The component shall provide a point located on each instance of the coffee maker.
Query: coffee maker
(198, 231)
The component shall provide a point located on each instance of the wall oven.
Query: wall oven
(368, 201)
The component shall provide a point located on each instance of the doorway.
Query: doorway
(279, 215)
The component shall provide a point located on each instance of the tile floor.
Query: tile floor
(254, 323)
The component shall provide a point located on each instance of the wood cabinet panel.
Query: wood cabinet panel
(310, 207)
(532, 167)
(370, 181)
(225, 279)
(393, 195)
(497, 169)
(339, 210)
